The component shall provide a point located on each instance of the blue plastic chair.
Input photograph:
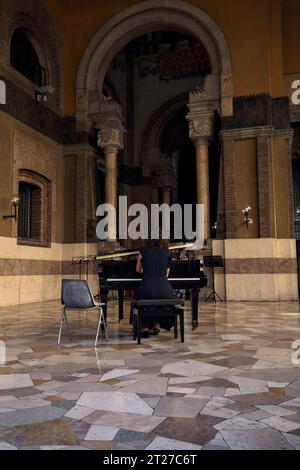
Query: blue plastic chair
(76, 295)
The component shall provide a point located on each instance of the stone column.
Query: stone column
(200, 119)
(111, 140)
(166, 195)
(111, 173)
(109, 122)
(202, 174)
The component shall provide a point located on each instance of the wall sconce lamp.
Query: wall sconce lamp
(14, 205)
(43, 92)
(298, 211)
(246, 217)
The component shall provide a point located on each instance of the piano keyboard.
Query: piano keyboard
(169, 279)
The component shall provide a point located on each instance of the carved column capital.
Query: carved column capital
(200, 116)
(109, 122)
(200, 132)
(110, 139)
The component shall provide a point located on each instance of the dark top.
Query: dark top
(155, 285)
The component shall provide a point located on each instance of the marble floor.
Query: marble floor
(231, 385)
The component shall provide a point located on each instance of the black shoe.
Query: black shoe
(145, 334)
(155, 331)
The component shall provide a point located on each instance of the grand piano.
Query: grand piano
(121, 276)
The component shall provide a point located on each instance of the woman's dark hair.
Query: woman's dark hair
(158, 243)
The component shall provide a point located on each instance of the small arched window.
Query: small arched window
(24, 58)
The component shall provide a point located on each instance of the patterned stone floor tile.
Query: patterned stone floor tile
(15, 381)
(24, 403)
(190, 368)
(125, 436)
(260, 399)
(196, 430)
(255, 415)
(32, 415)
(56, 432)
(277, 384)
(293, 390)
(101, 433)
(125, 387)
(236, 361)
(187, 380)
(229, 392)
(248, 386)
(63, 448)
(276, 410)
(181, 390)
(238, 423)
(84, 387)
(6, 446)
(256, 439)
(217, 441)
(210, 391)
(293, 440)
(179, 407)
(219, 412)
(151, 400)
(78, 412)
(69, 395)
(142, 384)
(132, 422)
(130, 444)
(161, 443)
(115, 373)
(282, 424)
(98, 445)
(115, 401)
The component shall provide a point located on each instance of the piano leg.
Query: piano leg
(121, 304)
(195, 301)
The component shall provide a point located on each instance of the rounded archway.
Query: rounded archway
(146, 17)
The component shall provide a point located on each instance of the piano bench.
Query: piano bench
(157, 307)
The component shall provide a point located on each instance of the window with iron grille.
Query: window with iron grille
(30, 211)
(34, 214)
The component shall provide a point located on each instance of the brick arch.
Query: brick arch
(34, 19)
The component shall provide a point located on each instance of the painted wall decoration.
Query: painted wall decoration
(174, 64)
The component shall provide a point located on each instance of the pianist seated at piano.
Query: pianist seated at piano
(154, 262)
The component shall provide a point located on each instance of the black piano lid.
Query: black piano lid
(127, 269)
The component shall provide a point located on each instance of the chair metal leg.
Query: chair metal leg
(67, 323)
(100, 322)
(60, 327)
(63, 318)
(99, 325)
